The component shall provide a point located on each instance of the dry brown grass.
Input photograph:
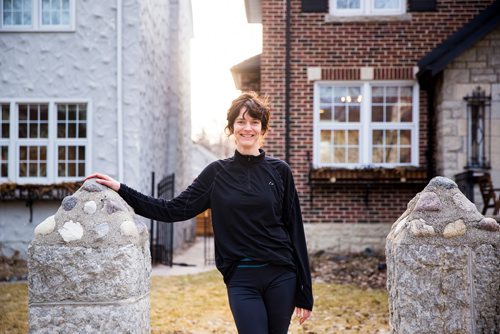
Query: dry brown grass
(198, 304)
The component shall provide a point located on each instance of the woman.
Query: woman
(260, 247)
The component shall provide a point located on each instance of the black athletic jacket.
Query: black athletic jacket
(255, 214)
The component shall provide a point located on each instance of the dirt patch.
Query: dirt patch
(364, 270)
(13, 268)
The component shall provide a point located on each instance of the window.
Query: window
(29, 15)
(364, 124)
(44, 141)
(367, 7)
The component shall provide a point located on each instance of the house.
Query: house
(374, 98)
(89, 86)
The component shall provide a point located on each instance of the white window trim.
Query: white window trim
(36, 20)
(365, 125)
(366, 9)
(52, 141)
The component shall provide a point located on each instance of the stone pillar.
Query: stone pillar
(443, 262)
(89, 267)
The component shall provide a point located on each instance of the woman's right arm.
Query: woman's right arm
(192, 201)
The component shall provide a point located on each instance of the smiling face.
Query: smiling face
(247, 133)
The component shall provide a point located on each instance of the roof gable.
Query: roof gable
(464, 38)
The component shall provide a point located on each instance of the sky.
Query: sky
(222, 39)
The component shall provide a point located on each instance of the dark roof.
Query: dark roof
(249, 65)
(436, 60)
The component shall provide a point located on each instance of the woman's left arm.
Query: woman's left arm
(292, 216)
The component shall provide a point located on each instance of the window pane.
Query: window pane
(386, 4)
(44, 130)
(43, 170)
(61, 169)
(353, 137)
(23, 153)
(377, 113)
(61, 130)
(378, 137)
(377, 94)
(65, 4)
(325, 113)
(82, 112)
(71, 130)
(33, 170)
(406, 113)
(406, 95)
(71, 153)
(5, 131)
(339, 137)
(4, 153)
(33, 153)
(7, 5)
(405, 155)
(56, 4)
(339, 155)
(391, 94)
(18, 4)
(325, 94)
(43, 153)
(354, 113)
(23, 112)
(55, 18)
(4, 170)
(391, 113)
(23, 169)
(340, 113)
(61, 153)
(81, 169)
(348, 4)
(81, 152)
(45, 5)
(326, 147)
(82, 130)
(44, 112)
(391, 137)
(391, 155)
(33, 130)
(405, 137)
(339, 95)
(65, 18)
(353, 155)
(71, 170)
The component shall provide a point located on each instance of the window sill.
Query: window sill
(401, 175)
(367, 18)
(38, 30)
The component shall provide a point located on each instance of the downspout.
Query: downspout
(288, 46)
(431, 132)
(119, 95)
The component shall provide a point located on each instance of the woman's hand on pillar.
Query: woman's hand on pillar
(105, 180)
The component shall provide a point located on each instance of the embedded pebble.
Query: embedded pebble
(419, 228)
(90, 207)
(428, 201)
(68, 203)
(101, 230)
(46, 227)
(463, 202)
(455, 229)
(489, 224)
(112, 206)
(129, 228)
(93, 187)
(71, 231)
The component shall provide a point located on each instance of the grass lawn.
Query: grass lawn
(198, 304)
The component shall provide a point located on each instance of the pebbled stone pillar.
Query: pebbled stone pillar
(443, 262)
(89, 267)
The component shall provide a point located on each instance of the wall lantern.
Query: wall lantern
(478, 130)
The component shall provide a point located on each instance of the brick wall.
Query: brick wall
(340, 49)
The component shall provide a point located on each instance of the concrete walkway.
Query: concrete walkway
(188, 261)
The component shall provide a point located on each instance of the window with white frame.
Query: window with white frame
(44, 141)
(20, 15)
(367, 7)
(366, 124)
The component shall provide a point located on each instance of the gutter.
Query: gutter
(119, 88)
(288, 46)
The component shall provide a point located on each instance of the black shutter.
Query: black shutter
(423, 5)
(315, 6)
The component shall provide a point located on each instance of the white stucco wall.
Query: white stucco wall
(83, 64)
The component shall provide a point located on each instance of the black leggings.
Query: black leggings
(262, 299)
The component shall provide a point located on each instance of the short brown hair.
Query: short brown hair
(257, 107)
